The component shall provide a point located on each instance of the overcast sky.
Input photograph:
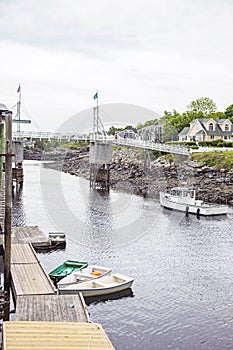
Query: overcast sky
(160, 55)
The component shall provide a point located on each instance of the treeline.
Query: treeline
(173, 122)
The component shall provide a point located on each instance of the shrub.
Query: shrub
(194, 147)
(190, 143)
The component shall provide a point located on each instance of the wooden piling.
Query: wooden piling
(8, 204)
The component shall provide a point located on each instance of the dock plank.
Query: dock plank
(23, 254)
(54, 335)
(53, 308)
(26, 234)
(29, 279)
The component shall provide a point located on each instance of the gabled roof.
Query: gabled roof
(203, 121)
(200, 132)
(3, 107)
(184, 132)
(221, 121)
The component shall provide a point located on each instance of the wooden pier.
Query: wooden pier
(44, 319)
(52, 308)
(28, 276)
(2, 203)
(54, 335)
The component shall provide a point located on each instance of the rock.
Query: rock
(127, 174)
(220, 179)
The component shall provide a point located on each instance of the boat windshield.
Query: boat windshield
(183, 193)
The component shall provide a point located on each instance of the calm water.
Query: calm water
(182, 297)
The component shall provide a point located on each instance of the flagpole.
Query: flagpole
(97, 112)
(18, 108)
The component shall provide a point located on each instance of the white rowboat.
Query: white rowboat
(86, 274)
(100, 286)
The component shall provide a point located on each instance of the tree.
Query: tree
(170, 131)
(217, 115)
(229, 112)
(203, 105)
(179, 121)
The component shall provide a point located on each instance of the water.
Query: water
(182, 297)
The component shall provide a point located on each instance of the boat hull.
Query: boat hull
(86, 274)
(67, 268)
(100, 286)
(172, 203)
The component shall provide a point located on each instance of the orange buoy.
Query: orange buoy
(96, 273)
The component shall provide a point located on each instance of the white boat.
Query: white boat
(57, 237)
(86, 274)
(184, 199)
(100, 286)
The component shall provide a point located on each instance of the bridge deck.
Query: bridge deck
(177, 149)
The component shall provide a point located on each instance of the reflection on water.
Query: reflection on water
(114, 296)
(183, 267)
(18, 213)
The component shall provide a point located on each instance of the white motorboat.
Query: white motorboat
(100, 286)
(184, 199)
(86, 274)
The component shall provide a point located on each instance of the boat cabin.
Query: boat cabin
(184, 192)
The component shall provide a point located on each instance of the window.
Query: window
(211, 126)
(212, 137)
(226, 127)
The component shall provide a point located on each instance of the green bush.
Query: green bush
(216, 142)
(174, 142)
(190, 143)
(193, 147)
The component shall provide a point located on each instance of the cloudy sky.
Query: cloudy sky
(160, 55)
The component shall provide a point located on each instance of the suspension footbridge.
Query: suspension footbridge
(137, 143)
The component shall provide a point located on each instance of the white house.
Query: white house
(207, 129)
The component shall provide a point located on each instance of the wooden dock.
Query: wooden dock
(24, 234)
(28, 276)
(33, 291)
(45, 320)
(54, 335)
(27, 234)
(52, 308)
(2, 202)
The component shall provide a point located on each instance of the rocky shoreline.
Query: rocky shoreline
(127, 173)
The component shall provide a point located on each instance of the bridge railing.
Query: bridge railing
(45, 135)
(152, 146)
(119, 141)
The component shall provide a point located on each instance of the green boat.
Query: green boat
(68, 267)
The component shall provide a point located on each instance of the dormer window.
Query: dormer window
(211, 127)
(226, 127)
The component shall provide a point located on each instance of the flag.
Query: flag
(18, 88)
(95, 96)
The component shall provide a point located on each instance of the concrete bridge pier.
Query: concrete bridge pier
(100, 158)
(147, 165)
(100, 176)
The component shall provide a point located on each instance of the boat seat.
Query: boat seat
(99, 285)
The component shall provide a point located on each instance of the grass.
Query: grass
(217, 160)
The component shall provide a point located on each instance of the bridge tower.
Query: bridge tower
(100, 155)
(17, 144)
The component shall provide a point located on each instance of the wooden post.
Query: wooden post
(8, 203)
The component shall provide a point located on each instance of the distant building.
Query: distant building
(28, 144)
(207, 129)
(127, 133)
(151, 133)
